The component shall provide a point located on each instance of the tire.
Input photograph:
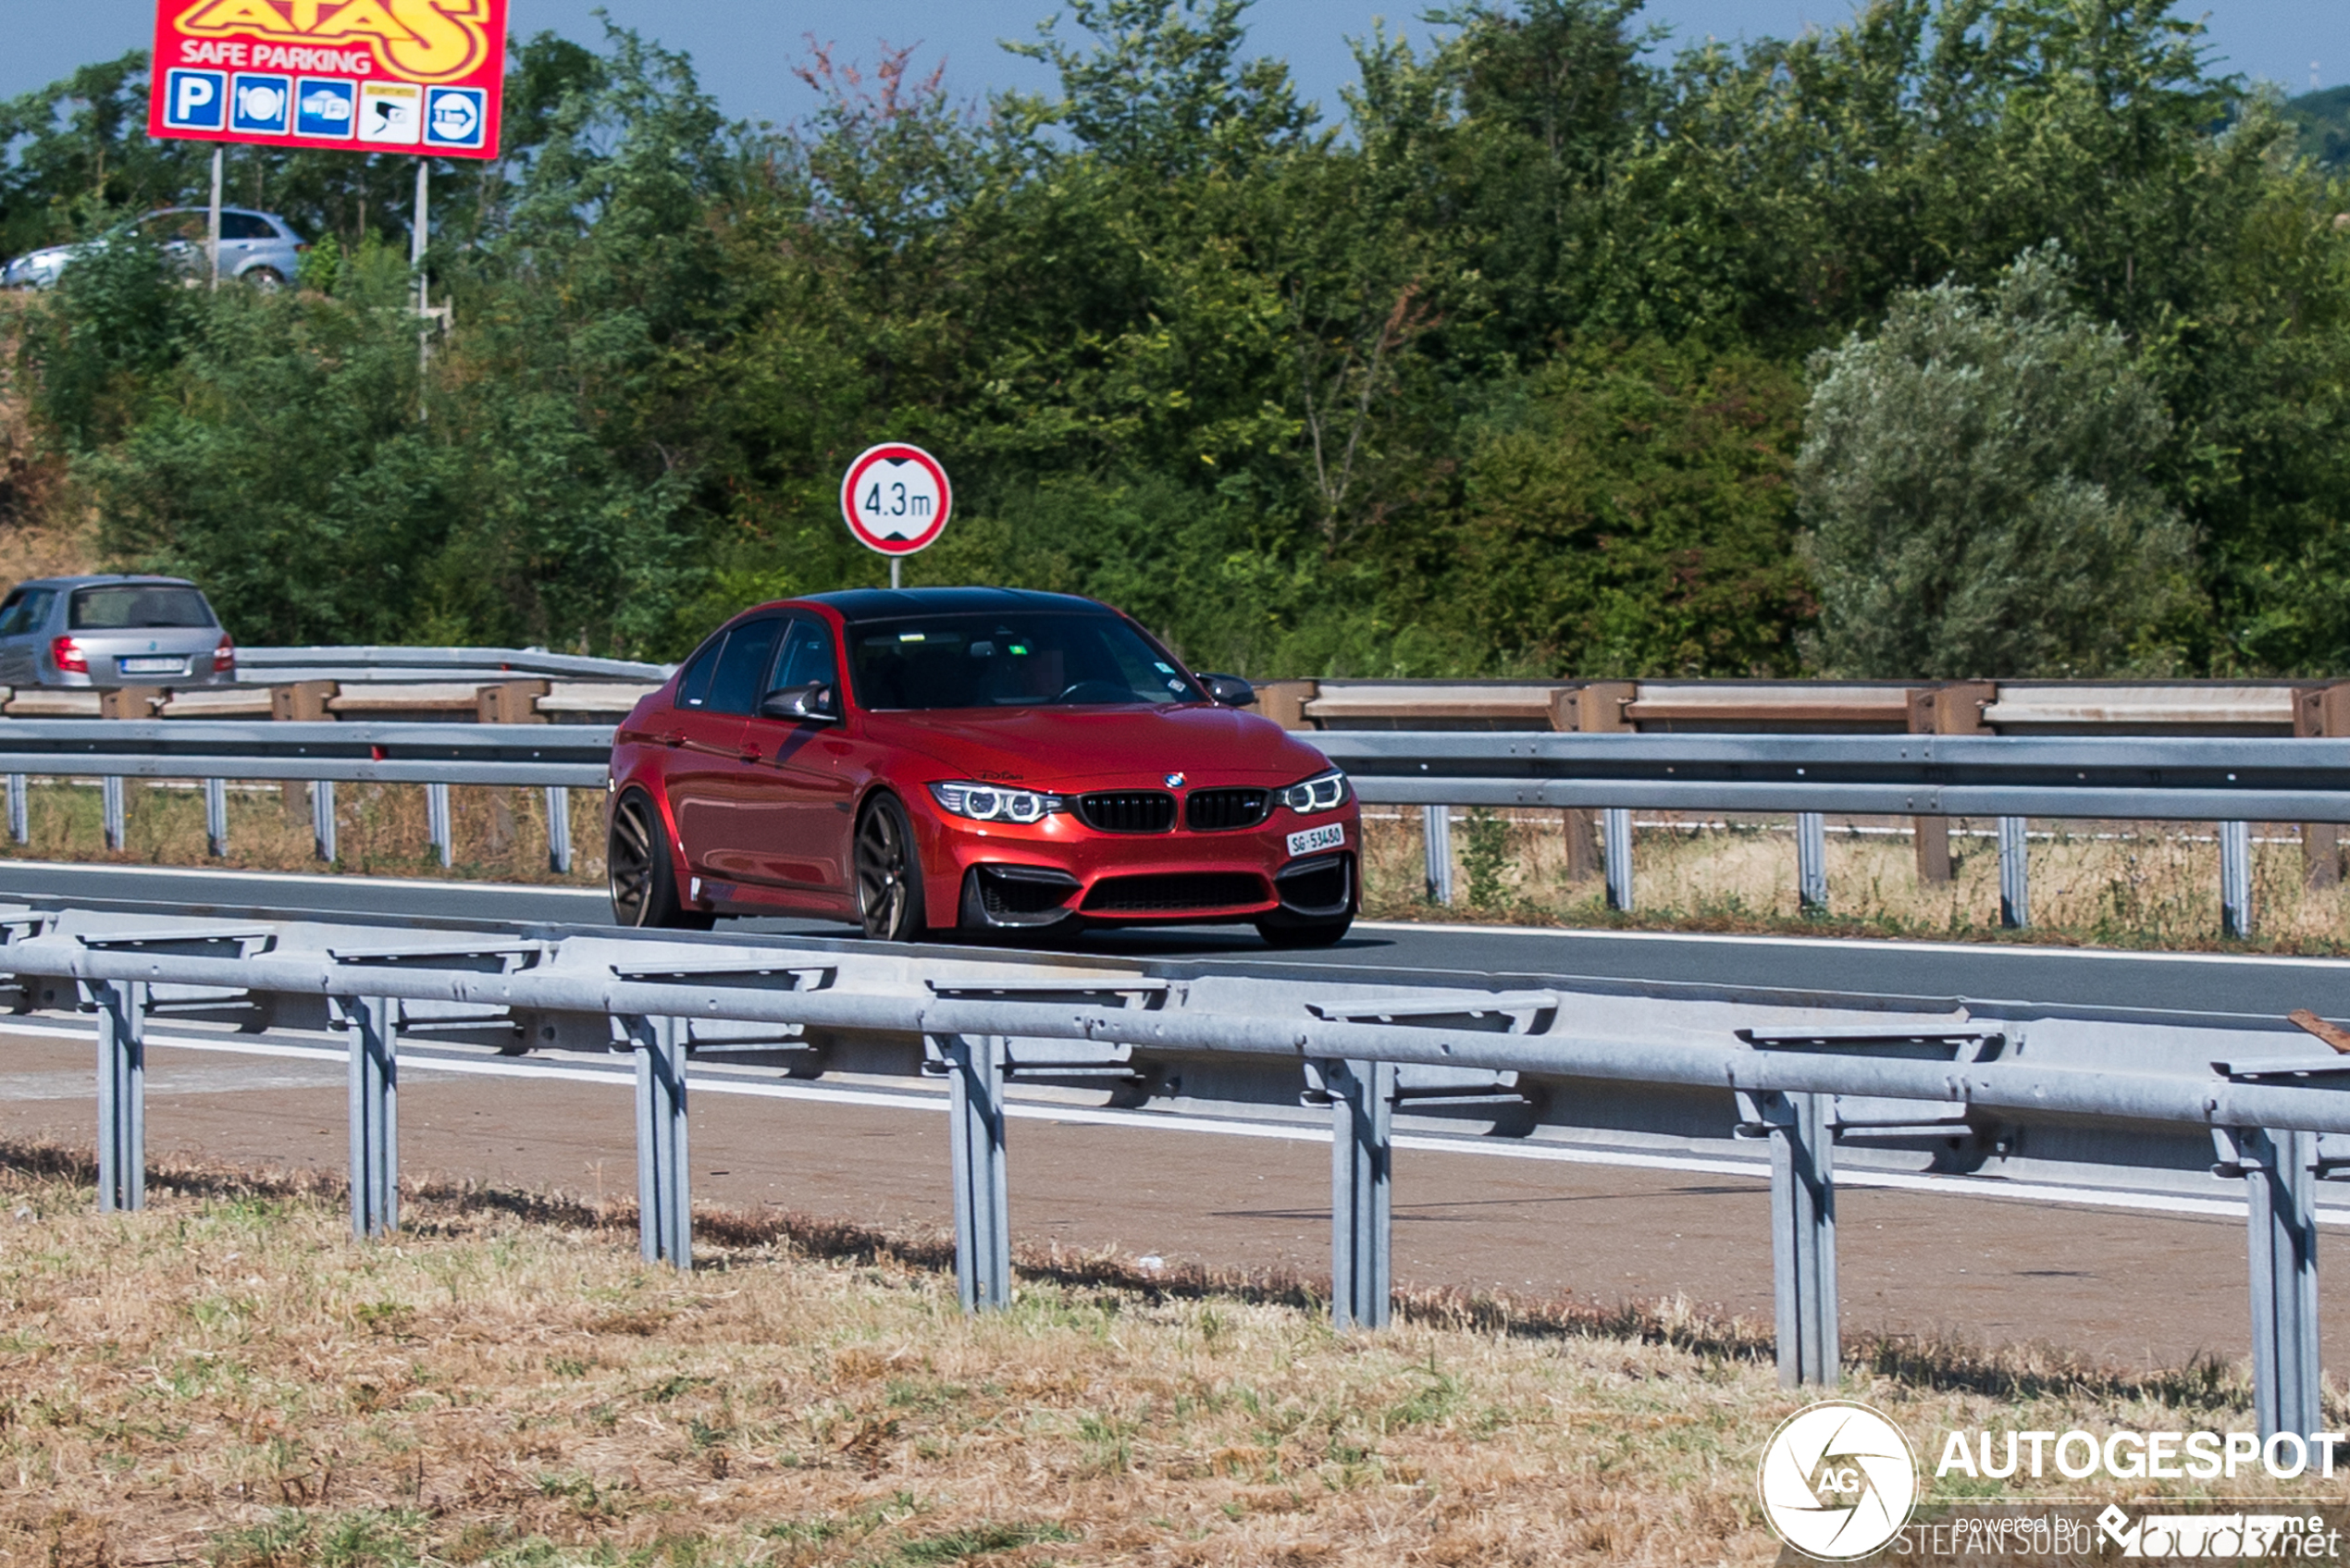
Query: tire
(889, 874)
(1292, 934)
(643, 876)
(268, 279)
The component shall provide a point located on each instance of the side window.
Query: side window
(27, 609)
(244, 226)
(807, 656)
(693, 686)
(741, 678)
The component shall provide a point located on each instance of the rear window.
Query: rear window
(136, 607)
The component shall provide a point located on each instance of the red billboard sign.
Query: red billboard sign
(362, 76)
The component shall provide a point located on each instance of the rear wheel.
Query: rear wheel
(268, 279)
(1314, 933)
(889, 876)
(644, 878)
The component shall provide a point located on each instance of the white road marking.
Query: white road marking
(1972, 949)
(1757, 1170)
(595, 895)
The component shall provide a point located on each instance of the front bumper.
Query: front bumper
(995, 876)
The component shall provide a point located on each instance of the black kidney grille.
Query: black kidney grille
(1129, 810)
(1174, 892)
(1221, 810)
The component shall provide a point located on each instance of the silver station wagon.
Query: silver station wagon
(112, 632)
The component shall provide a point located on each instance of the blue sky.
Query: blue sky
(744, 49)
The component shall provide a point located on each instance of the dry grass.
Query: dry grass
(228, 1377)
(2133, 885)
(498, 835)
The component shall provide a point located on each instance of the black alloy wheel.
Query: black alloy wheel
(889, 876)
(644, 883)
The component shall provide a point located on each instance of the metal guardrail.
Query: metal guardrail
(371, 663)
(2108, 1098)
(2230, 779)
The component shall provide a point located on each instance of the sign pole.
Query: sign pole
(893, 573)
(212, 232)
(423, 284)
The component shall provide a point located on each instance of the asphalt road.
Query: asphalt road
(2261, 987)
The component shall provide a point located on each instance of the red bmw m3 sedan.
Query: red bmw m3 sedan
(970, 760)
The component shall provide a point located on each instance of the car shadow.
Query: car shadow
(1175, 942)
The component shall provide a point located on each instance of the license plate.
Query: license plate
(152, 666)
(1329, 838)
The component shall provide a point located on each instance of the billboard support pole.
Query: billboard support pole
(423, 284)
(211, 229)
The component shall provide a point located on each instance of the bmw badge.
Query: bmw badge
(1174, 781)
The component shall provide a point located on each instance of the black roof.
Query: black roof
(876, 604)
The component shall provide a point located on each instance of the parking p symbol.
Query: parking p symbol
(196, 100)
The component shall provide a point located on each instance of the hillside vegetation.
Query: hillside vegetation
(1541, 352)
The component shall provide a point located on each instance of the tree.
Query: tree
(1975, 481)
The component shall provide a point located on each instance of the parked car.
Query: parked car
(973, 760)
(261, 248)
(112, 632)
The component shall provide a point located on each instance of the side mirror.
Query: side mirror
(1229, 690)
(802, 704)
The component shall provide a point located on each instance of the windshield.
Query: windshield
(140, 607)
(1011, 661)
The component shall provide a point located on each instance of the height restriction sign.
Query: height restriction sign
(895, 498)
(364, 76)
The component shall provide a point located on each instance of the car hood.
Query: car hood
(1079, 748)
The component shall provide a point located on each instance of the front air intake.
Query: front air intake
(1128, 810)
(1225, 810)
(1174, 893)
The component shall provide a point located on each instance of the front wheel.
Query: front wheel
(1315, 934)
(644, 879)
(889, 874)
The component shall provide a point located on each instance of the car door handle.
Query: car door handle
(748, 754)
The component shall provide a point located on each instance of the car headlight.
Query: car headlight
(993, 803)
(1323, 791)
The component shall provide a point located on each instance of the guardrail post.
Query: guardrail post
(975, 1147)
(1802, 1233)
(2235, 880)
(1437, 835)
(1615, 847)
(216, 818)
(437, 822)
(2280, 1214)
(372, 1024)
(664, 1198)
(19, 810)
(559, 829)
(1811, 862)
(322, 817)
(122, 1093)
(111, 809)
(1362, 1099)
(2015, 883)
